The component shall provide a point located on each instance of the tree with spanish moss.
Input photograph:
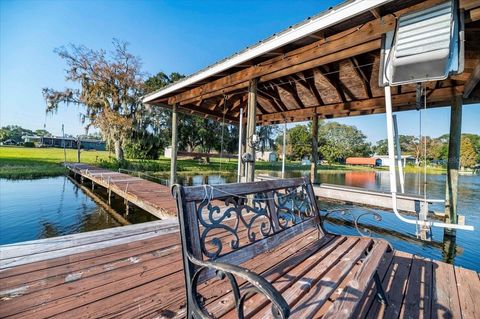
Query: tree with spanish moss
(110, 87)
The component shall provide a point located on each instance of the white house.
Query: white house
(385, 161)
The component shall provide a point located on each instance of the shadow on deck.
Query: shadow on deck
(136, 272)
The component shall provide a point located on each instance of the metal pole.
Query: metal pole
(399, 155)
(173, 160)
(240, 131)
(64, 149)
(284, 147)
(390, 140)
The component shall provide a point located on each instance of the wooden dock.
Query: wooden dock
(152, 197)
(136, 272)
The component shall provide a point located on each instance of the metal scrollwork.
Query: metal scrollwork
(257, 283)
(255, 219)
(362, 231)
(293, 206)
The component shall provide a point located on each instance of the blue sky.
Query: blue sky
(181, 36)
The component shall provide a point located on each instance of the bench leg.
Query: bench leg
(382, 297)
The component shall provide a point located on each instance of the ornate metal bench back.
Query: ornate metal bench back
(234, 222)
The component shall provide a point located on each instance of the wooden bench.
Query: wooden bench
(265, 253)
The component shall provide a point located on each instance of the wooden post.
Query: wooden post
(251, 123)
(173, 160)
(313, 164)
(78, 149)
(453, 164)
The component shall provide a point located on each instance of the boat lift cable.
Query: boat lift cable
(393, 177)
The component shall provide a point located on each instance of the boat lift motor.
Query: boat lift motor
(426, 45)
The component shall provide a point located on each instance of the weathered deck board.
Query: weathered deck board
(144, 278)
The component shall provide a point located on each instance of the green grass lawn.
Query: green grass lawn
(27, 163)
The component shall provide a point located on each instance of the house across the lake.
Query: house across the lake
(70, 142)
(364, 161)
(378, 160)
(406, 159)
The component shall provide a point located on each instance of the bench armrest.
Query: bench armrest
(280, 308)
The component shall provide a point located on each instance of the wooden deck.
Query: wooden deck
(136, 272)
(152, 197)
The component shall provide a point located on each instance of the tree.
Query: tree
(111, 85)
(14, 132)
(299, 142)
(151, 130)
(468, 157)
(338, 141)
(266, 140)
(42, 132)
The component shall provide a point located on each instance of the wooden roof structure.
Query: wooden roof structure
(327, 65)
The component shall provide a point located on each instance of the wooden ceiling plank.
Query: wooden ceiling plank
(310, 80)
(270, 100)
(304, 90)
(361, 74)
(273, 92)
(325, 88)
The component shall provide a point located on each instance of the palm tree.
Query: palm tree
(266, 137)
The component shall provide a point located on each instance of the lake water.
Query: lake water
(51, 207)
(48, 207)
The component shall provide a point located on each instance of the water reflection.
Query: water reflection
(33, 209)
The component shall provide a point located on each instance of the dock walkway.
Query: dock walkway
(152, 197)
(136, 272)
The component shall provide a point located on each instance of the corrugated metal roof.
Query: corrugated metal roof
(325, 19)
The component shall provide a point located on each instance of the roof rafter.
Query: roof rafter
(369, 104)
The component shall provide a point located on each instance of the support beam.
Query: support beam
(453, 163)
(472, 81)
(251, 116)
(173, 160)
(313, 165)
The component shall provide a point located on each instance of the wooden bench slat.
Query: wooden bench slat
(284, 274)
(295, 290)
(320, 292)
(369, 297)
(348, 301)
(394, 284)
